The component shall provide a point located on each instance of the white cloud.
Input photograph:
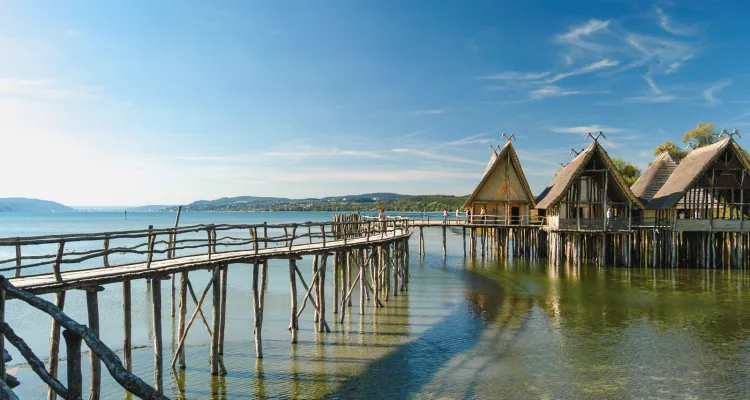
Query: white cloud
(551, 91)
(580, 36)
(428, 112)
(478, 138)
(436, 156)
(710, 93)
(47, 89)
(517, 76)
(655, 89)
(650, 99)
(555, 91)
(601, 64)
(666, 23)
(664, 55)
(582, 130)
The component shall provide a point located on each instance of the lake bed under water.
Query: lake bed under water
(465, 329)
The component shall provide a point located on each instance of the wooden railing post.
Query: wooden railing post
(151, 242)
(294, 232)
(106, 251)
(208, 233)
(18, 258)
(265, 235)
(58, 260)
(323, 234)
(75, 378)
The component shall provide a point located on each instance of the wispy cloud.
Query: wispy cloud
(516, 76)
(664, 55)
(655, 89)
(416, 133)
(710, 93)
(47, 89)
(478, 138)
(601, 64)
(434, 111)
(551, 91)
(666, 23)
(649, 99)
(555, 91)
(580, 36)
(436, 156)
(582, 130)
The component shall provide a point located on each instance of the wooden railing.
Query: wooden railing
(74, 333)
(39, 254)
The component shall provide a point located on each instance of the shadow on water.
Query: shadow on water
(405, 371)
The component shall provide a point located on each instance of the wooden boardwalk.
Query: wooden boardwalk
(369, 255)
(89, 277)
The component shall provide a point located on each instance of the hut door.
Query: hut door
(515, 212)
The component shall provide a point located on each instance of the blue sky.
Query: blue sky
(127, 103)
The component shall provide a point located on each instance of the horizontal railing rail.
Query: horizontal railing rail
(25, 256)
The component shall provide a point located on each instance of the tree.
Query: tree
(701, 135)
(672, 148)
(628, 171)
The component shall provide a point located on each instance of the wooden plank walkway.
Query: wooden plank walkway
(47, 283)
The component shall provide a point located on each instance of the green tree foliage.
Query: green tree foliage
(628, 171)
(672, 148)
(701, 135)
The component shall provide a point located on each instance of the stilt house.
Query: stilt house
(649, 183)
(707, 191)
(503, 193)
(582, 192)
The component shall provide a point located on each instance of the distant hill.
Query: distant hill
(358, 202)
(20, 204)
(150, 208)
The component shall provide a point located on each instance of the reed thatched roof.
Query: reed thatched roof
(657, 174)
(507, 151)
(557, 189)
(690, 169)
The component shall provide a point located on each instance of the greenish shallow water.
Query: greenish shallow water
(464, 330)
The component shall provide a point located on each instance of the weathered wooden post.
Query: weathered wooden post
(445, 248)
(126, 318)
(322, 293)
(182, 315)
(92, 303)
(158, 365)
(215, 322)
(75, 377)
(294, 323)
(336, 277)
(54, 344)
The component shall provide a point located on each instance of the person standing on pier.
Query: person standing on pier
(445, 215)
(468, 215)
(482, 215)
(458, 215)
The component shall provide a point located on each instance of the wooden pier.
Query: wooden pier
(369, 255)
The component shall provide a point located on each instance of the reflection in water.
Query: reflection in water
(489, 329)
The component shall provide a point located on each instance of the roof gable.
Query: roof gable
(649, 183)
(690, 169)
(560, 184)
(497, 160)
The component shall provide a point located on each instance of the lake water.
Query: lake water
(494, 329)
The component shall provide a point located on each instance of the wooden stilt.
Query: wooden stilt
(182, 315)
(75, 376)
(215, 323)
(294, 323)
(336, 280)
(223, 312)
(158, 367)
(54, 344)
(92, 303)
(321, 293)
(362, 270)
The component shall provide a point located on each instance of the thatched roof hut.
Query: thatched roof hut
(561, 183)
(655, 176)
(503, 189)
(693, 167)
